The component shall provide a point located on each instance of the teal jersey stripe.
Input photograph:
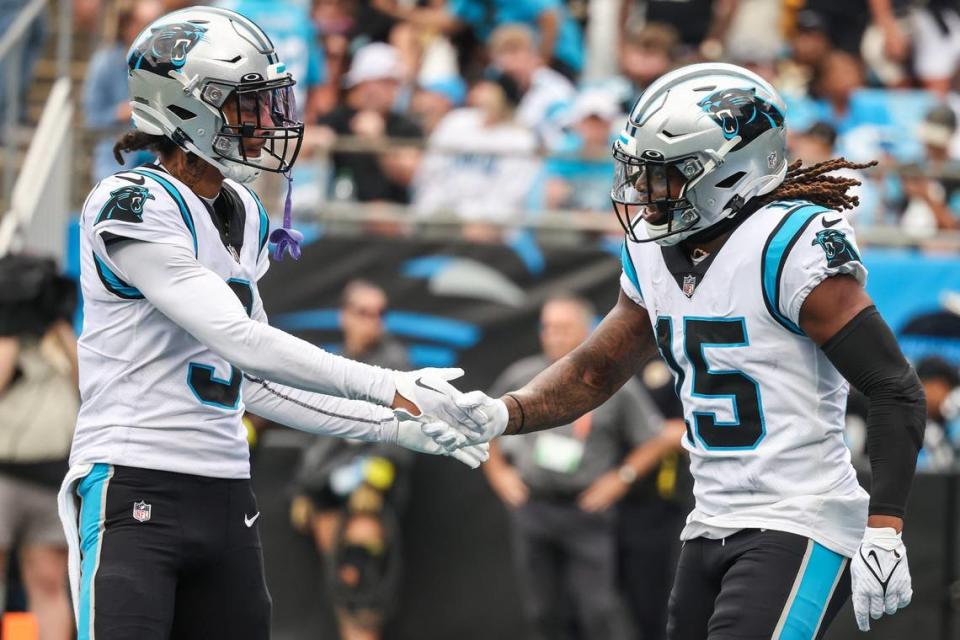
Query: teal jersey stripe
(93, 493)
(113, 283)
(775, 253)
(813, 595)
(629, 269)
(264, 220)
(175, 194)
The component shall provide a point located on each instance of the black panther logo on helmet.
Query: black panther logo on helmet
(166, 48)
(740, 112)
(836, 246)
(125, 203)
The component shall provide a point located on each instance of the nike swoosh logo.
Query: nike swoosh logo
(419, 383)
(879, 571)
(828, 224)
(249, 521)
(140, 182)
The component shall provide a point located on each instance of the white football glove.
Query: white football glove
(430, 390)
(880, 576)
(486, 417)
(424, 435)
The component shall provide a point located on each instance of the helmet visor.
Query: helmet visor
(653, 192)
(260, 124)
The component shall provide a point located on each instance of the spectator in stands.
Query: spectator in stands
(105, 104)
(755, 37)
(39, 404)
(937, 132)
(344, 26)
(809, 44)
(931, 190)
(701, 24)
(933, 32)
(479, 163)
(817, 144)
(926, 209)
(558, 36)
(560, 487)
(886, 48)
(351, 493)
(544, 91)
(844, 20)
(334, 21)
(296, 42)
(940, 383)
(32, 44)
(645, 54)
(837, 77)
(579, 176)
(359, 22)
(366, 114)
(834, 85)
(434, 99)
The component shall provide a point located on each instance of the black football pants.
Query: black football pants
(168, 555)
(756, 584)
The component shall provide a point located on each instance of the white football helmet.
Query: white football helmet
(210, 80)
(698, 144)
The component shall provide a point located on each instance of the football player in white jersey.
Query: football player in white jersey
(742, 271)
(175, 346)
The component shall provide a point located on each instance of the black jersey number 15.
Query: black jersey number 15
(747, 428)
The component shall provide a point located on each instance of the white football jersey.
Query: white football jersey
(764, 407)
(152, 395)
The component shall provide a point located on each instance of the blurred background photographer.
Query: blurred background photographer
(350, 494)
(38, 410)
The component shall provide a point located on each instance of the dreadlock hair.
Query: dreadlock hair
(812, 183)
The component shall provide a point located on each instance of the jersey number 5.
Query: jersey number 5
(747, 428)
(207, 387)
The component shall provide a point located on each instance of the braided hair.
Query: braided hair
(812, 183)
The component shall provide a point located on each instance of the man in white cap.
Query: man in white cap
(365, 111)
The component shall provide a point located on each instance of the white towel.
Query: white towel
(68, 506)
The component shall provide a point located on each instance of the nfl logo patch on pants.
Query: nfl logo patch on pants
(141, 511)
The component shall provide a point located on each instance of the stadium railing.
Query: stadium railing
(42, 180)
(43, 184)
(552, 225)
(11, 55)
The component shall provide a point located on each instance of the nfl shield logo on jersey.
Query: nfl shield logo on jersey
(141, 511)
(689, 284)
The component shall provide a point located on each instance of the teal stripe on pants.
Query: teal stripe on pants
(820, 576)
(93, 495)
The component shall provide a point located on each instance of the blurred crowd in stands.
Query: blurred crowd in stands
(496, 110)
(491, 112)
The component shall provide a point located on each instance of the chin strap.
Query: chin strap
(286, 239)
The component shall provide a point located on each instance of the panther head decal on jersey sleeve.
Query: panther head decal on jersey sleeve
(836, 247)
(166, 48)
(125, 203)
(740, 112)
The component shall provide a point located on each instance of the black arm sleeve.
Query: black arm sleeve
(866, 353)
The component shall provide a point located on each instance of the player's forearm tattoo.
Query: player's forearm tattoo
(586, 377)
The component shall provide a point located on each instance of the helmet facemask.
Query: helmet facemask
(652, 190)
(259, 123)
